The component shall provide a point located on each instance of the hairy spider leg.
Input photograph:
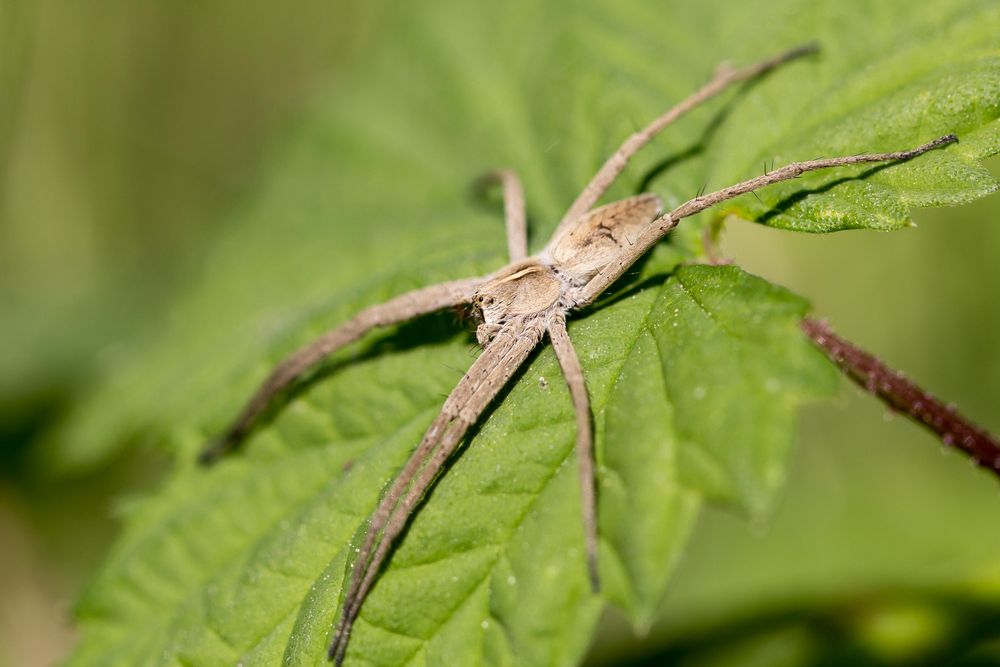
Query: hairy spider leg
(573, 372)
(513, 198)
(478, 373)
(662, 225)
(399, 309)
(501, 359)
(458, 397)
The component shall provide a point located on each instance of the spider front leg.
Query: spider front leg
(573, 373)
(431, 439)
(466, 403)
(659, 227)
(401, 308)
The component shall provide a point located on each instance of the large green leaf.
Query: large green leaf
(695, 372)
(252, 555)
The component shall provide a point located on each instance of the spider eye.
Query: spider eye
(487, 301)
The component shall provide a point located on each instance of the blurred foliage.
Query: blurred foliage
(125, 130)
(130, 169)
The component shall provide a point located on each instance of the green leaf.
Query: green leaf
(253, 553)
(695, 372)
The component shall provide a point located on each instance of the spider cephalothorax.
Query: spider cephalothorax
(581, 251)
(557, 277)
(517, 306)
(528, 288)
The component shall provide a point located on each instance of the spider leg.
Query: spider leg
(573, 373)
(724, 78)
(660, 226)
(500, 361)
(491, 356)
(514, 215)
(401, 308)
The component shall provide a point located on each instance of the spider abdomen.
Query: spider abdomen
(600, 236)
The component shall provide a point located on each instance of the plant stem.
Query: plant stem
(903, 395)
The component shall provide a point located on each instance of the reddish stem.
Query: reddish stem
(904, 396)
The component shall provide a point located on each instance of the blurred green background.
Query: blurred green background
(129, 133)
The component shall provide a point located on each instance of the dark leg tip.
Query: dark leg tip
(481, 186)
(335, 654)
(213, 451)
(595, 578)
(938, 143)
(808, 49)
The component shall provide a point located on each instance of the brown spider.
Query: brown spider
(516, 307)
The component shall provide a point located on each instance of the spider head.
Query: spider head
(521, 290)
(490, 308)
(488, 311)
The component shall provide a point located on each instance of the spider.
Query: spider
(517, 307)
